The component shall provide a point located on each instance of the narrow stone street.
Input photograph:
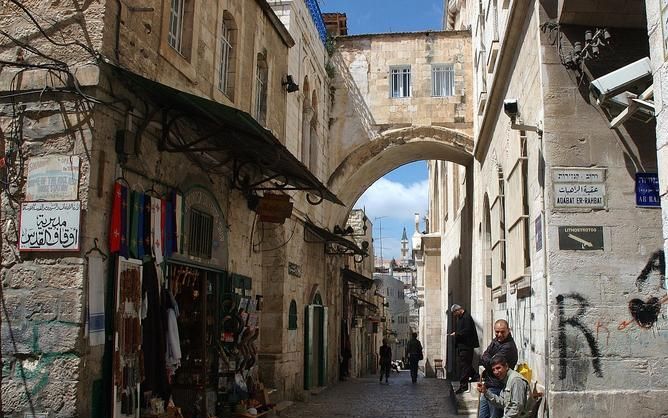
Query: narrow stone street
(365, 397)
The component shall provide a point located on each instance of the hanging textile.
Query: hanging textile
(148, 225)
(140, 225)
(134, 221)
(124, 223)
(95, 300)
(156, 228)
(169, 225)
(179, 222)
(115, 227)
(153, 335)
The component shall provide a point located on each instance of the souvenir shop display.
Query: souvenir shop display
(185, 332)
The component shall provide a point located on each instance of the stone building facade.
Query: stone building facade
(182, 103)
(567, 242)
(409, 93)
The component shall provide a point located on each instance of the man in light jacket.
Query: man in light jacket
(504, 345)
(514, 398)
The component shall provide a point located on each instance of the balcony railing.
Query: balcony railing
(316, 15)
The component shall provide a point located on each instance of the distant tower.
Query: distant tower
(404, 248)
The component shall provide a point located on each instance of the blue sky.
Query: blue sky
(407, 185)
(378, 16)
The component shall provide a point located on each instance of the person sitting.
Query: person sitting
(514, 398)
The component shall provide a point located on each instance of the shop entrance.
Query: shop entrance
(315, 344)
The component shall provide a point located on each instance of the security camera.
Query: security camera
(511, 108)
(634, 77)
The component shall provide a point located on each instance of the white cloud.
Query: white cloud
(394, 200)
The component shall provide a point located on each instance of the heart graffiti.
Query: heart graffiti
(645, 313)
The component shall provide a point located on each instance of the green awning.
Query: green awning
(228, 131)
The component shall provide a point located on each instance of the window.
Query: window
(400, 81)
(292, 315)
(200, 234)
(180, 32)
(261, 75)
(442, 80)
(226, 70)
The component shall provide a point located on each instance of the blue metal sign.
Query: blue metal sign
(647, 190)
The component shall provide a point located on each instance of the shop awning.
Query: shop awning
(366, 303)
(221, 135)
(334, 244)
(356, 278)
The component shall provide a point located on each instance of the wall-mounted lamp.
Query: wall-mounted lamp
(290, 85)
(593, 40)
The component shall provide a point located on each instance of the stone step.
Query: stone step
(282, 406)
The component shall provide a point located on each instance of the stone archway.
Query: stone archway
(370, 161)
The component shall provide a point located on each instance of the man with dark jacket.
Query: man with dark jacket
(466, 340)
(504, 345)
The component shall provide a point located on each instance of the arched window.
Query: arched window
(313, 127)
(261, 78)
(227, 69)
(307, 115)
(317, 299)
(487, 243)
(292, 315)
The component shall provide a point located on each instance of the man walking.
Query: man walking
(466, 340)
(504, 345)
(385, 360)
(414, 352)
(514, 398)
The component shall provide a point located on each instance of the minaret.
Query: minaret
(404, 248)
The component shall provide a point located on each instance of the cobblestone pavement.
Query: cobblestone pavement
(365, 397)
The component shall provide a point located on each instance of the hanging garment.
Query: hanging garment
(95, 301)
(140, 225)
(148, 238)
(153, 335)
(169, 226)
(173, 354)
(156, 228)
(178, 230)
(134, 221)
(115, 226)
(124, 223)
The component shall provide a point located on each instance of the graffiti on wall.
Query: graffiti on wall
(646, 313)
(575, 321)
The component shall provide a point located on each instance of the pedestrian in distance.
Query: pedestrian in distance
(466, 340)
(385, 361)
(515, 398)
(502, 344)
(414, 354)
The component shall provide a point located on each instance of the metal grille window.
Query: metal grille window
(225, 56)
(175, 35)
(442, 80)
(200, 234)
(400, 81)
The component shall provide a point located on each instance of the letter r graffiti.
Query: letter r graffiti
(575, 322)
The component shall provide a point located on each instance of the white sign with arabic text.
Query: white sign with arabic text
(579, 187)
(50, 226)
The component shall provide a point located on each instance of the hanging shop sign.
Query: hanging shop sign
(579, 188)
(53, 178)
(49, 226)
(647, 190)
(580, 238)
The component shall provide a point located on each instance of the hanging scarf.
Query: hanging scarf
(115, 226)
(124, 223)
